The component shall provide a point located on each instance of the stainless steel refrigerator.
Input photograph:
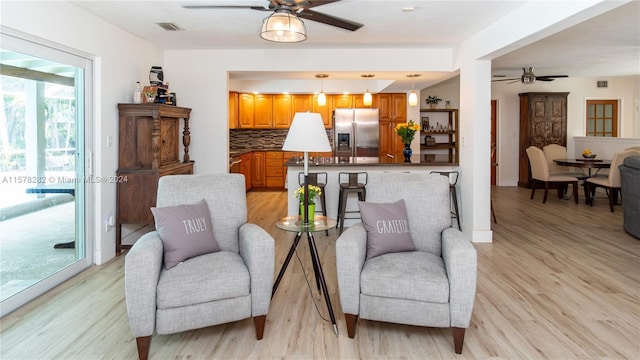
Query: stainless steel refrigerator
(355, 132)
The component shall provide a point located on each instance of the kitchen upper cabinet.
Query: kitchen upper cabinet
(392, 107)
(282, 111)
(245, 111)
(302, 103)
(233, 110)
(344, 101)
(262, 111)
(358, 101)
(324, 111)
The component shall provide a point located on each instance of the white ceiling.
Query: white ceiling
(604, 46)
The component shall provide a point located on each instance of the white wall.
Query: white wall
(120, 60)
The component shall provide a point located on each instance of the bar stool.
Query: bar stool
(350, 182)
(453, 181)
(318, 179)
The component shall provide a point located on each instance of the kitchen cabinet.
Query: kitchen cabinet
(233, 110)
(392, 110)
(302, 103)
(324, 111)
(441, 127)
(245, 111)
(343, 101)
(258, 178)
(245, 169)
(148, 148)
(274, 171)
(262, 111)
(543, 121)
(282, 111)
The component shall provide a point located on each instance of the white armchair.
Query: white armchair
(229, 285)
(433, 286)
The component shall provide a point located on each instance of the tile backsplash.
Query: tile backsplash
(257, 139)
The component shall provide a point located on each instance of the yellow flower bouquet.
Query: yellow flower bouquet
(407, 131)
(314, 191)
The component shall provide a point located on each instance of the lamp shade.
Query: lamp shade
(283, 26)
(413, 98)
(307, 133)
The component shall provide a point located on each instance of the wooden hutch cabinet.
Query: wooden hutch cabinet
(543, 121)
(148, 149)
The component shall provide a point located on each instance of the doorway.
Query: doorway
(43, 140)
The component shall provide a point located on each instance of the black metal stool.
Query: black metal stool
(318, 179)
(452, 175)
(350, 182)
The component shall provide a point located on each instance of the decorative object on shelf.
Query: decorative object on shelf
(407, 152)
(314, 191)
(306, 134)
(413, 96)
(432, 101)
(407, 131)
(156, 76)
(425, 123)
(322, 98)
(447, 104)
(150, 96)
(429, 140)
(137, 93)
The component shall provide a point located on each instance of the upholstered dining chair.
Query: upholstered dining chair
(169, 288)
(540, 173)
(423, 274)
(611, 181)
(556, 151)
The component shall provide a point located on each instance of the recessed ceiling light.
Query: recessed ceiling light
(408, 8)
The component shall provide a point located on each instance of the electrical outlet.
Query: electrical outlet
(109, 222)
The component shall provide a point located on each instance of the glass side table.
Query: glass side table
(295, 224)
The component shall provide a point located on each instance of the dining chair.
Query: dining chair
(540, 173)
(556, 151)
(610, 182)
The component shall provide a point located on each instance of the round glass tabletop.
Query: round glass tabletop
(295, 224)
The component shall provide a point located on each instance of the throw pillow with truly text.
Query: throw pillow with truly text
(185, 231)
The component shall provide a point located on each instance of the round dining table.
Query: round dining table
(585, 164)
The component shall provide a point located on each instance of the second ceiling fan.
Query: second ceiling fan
(528, 77)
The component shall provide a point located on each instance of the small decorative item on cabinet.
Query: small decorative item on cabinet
(407, 152)
(432, 101)
(447, 104)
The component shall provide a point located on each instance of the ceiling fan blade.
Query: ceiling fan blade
(542, 78)
(329, 20)
(551, 77)
(208, 7)
(505, 79)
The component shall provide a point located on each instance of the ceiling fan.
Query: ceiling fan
(301, 8)
(528, 77)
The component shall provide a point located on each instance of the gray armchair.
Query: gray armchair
(215, 288)
(433, 286)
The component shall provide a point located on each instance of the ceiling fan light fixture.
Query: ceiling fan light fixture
(283, 26)
(527, 76)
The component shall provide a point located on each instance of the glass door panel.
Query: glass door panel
(42, 170)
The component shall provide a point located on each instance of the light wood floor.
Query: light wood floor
(560, 281)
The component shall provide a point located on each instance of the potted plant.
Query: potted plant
(432, 101)
(314, 191)
(407, 132)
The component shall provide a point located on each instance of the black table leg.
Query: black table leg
(315, 266)
(316, 258)
(286, 263)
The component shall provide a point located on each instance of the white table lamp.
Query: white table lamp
(307, 133)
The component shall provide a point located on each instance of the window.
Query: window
(602, 118)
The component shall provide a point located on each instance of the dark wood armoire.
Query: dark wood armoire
(148, 148)
(543, 121)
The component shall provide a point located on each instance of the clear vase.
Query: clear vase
(407, 152)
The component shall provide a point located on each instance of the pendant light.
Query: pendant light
(367, 99)
(413, 96)
(322, 98)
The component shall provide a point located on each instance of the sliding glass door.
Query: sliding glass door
(44, 182)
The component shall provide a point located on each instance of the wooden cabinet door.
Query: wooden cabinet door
(399, 107)
(233, 110)
(282, 111)
(385, 111)
(358, 101)
(245, 169)
(245, 111)
(263, 111)
(169, 151)
(257, 168)
(341, 101)
(302, 103)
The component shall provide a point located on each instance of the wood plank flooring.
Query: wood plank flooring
(560, 281)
